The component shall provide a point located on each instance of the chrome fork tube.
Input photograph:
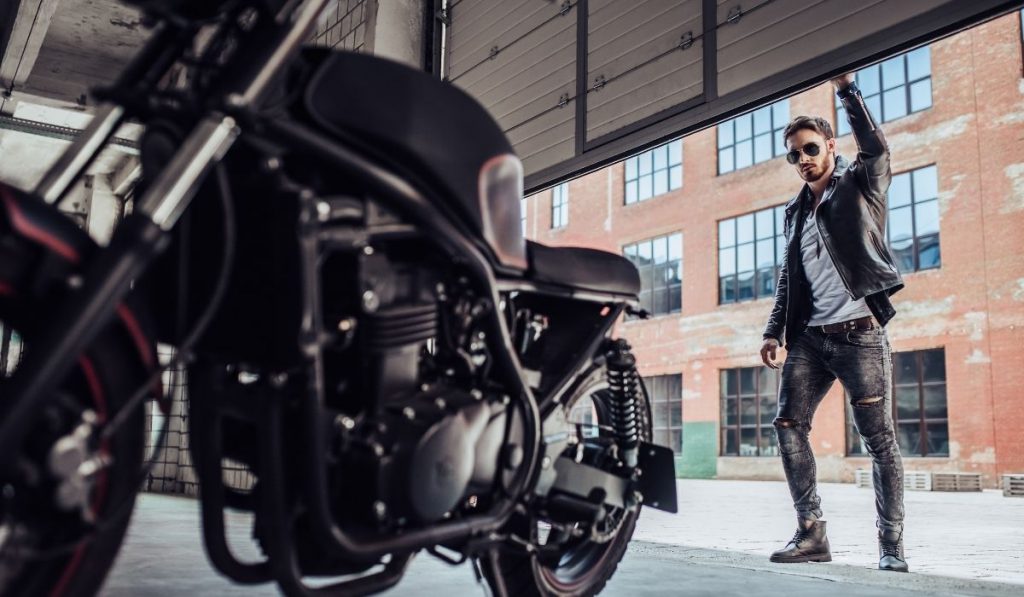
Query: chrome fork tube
(84, 148)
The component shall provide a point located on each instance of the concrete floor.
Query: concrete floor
(163, 555)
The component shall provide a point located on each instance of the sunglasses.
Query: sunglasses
(811, 149)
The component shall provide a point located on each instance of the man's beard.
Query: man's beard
(812, 175)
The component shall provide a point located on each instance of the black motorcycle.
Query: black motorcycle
(332, 243)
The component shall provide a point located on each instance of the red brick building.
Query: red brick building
(701, 211)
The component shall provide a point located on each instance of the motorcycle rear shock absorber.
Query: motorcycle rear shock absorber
(624, 405)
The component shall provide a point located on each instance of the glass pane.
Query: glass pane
(645, 299)
(926, 183)
(767, 382)
(660, 414)
(745, 286)
(842, 124)
(676, 439)
(660, 301)
(748, 442)
(901, 226)
(908, 403)
(895, 104)
(938, 439)
(762, 120)
(729, 447)
(929, 253)
(935, 402)
(675, 177)
(926, 217)
(748, 411)
(661, 437)
(780, 249)
(645, 191)
(892, 73)
(780, 218)
(675, 247)
(744, 154)
(725, 162)
(903, 253)
(769, 409)
(727, 289)
(661, 183)
(631, 188)
(769, 445)
(919, 63)
(675, 152)
(780, 144)
(727, 382)
(747, 386)
(909, 436)
(743, 127)
(725, 134)
(763, 148)
(644, 251)
(729, 415)
(764, 223)
(867, 80)
(780, 113)
(899, 190)
(631, 168)
(904, 365)
(675, 298)
(660, 249)
(661, 157)
(675, 413)
(934, 364)
(874, 104)
(765, 282)
(766, 254)
(726, 261)
(745, 228)
(726, 233)
(745, 258)
(921, 95)
(630, 252)
(644, 160)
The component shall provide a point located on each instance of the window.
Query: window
(752, 138)
(666, 394)
(914, 219)
(749, 405)
(899, 86)
(654, 172)
(919, 407)
(522, 214)
(661, 277)
(750, 250)
(560, 206)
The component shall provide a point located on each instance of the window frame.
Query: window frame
(840, 116)
(778, 239)
(667, 170)
(855, 445)
(912, 205)
(775, 130)
(560, 206)
(737, 428)
(669, 288)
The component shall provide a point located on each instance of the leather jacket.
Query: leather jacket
(851, 219)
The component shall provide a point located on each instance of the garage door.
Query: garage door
(577, 84)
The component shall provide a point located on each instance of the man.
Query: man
(832, 303)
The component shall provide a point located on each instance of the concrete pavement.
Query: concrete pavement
(957, 544)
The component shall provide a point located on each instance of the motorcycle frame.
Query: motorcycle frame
(143, 235)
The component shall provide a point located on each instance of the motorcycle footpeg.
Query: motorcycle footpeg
(657, 481)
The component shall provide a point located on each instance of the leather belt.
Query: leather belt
(862, 323)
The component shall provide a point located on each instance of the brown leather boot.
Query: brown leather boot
(809, 544)
(890, 552)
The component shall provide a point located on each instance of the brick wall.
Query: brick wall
(973, 305)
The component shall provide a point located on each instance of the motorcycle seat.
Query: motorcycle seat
(583, 269)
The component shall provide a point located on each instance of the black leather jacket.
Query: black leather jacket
(851, 219)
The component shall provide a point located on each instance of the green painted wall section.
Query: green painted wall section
(699, 459)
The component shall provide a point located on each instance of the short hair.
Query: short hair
(811, 123)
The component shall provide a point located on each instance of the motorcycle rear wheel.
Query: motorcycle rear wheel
(45, 550)
(585, 567)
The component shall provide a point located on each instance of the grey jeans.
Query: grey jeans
(862, 361)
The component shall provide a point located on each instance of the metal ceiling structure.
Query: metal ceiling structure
(577, 84)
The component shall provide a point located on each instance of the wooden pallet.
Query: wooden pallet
(912, 480)
(1013, 485)
(956, 481)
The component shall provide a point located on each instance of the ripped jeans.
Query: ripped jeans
(862, 361)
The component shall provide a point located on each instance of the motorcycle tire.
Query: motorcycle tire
(58, 555)
(579, 574)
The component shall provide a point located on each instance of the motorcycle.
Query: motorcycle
(332, 243)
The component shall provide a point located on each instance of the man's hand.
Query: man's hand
(768, 352)
(842, 81)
